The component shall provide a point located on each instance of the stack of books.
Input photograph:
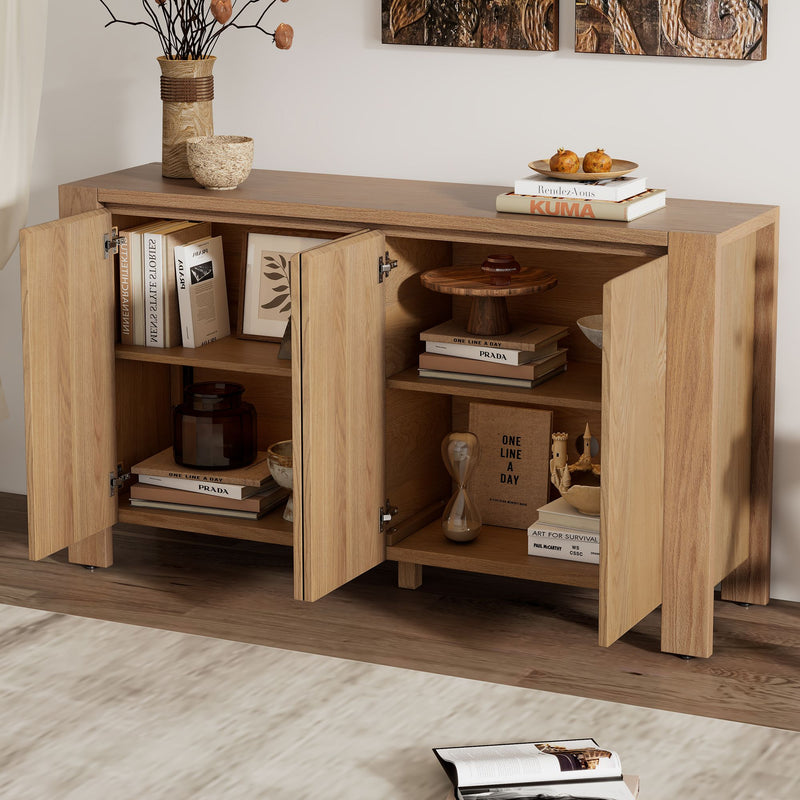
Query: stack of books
(171, 285)
(247, 493)
(563, 532)
(624, 199)
(527, 356)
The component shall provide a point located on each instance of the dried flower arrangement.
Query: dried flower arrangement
(190, 29)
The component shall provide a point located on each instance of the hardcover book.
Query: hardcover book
(528, 337)
(574, 546)
(528, 371)
(496, 380)
(559, 512)
(131, 286)
(512, 477)
(267, 500)
(622, 211)
(162, 470)
(571, 768)
(259, 502)
(202, 294)
(613, 189)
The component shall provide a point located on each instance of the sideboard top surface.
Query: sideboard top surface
(414, 205)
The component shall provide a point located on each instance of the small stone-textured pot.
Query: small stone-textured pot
(220, 162)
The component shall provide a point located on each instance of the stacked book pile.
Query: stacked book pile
(247, 493)
(563, 532)
(171, 285)
(625, 198)
(525, 357)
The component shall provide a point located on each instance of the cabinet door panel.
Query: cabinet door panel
(633, 420)
(338, 422)
(68, 317)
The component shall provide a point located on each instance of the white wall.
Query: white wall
(342, 102)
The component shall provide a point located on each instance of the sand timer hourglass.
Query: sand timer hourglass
(461, 521)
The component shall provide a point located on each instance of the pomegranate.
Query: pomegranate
(565, 161)
(597, 161)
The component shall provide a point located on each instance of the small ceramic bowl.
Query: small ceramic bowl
(592, 328)
(279, 460)
(220, 162)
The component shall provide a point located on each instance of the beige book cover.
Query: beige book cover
(202, 293)
(163, 464)
(512, 478)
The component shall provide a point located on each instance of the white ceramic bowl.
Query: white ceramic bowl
(220, 162)
(592, 328)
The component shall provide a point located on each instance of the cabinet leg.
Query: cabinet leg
(409, 576)
(94, 551)
(687, 620)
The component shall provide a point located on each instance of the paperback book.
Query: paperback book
(202, 294)
(613, 189)
(528, 371)
(571, 768)
(622, 210)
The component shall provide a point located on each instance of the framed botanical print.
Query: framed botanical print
(265, 299)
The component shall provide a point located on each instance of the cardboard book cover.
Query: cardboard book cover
(512, 477)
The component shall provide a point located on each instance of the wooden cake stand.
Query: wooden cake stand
(489, 284)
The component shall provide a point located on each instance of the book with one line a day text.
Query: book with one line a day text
(620, 211)
(161, 470)
(571, 768)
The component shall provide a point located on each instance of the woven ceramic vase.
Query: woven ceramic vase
(187, 92)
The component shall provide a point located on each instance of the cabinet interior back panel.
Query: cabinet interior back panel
(579, 292)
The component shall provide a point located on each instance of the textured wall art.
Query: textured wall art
(734, 29)
(505, 24)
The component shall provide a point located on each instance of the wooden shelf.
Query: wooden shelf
(236, 355)
(496, 551)
(578, 387)
(271, 528)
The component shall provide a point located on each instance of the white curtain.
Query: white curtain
(23, 25)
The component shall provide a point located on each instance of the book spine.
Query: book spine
(530, 371)
(184, 298)
(230, 490)
(547, 547)
(570, 536)
(578, 190)
(564, 522)
(496, 355)
(138, 326)
(558, 207)
(154, 304)
(125, 304)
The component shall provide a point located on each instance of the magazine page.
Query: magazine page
(531, 762)
(576, 790)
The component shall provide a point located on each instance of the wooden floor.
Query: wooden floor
(502, 630)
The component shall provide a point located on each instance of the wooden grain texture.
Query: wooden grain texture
(632, 506)
(515, 632)
(409, 576)
(68, 359)
(338, 391)
(578, 387)
(300, 198)
(93, 551)
(689, 491)
(732, 419)
(496, 551)
(471, 281)
(749, 583)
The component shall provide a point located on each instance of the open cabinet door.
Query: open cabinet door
(68, 318)
(338, 388)
(633, 421)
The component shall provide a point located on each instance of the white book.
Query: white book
(202, 294)
(541, 544)
(137, 287)
(614, 189)
(233, 491)
(153, 270)
(560, 513)
(498, 355)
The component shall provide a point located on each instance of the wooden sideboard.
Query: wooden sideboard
(681, 397)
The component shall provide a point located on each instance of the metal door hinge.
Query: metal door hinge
(385, 266)
(111, 242)
(116, 480)
(386, 512)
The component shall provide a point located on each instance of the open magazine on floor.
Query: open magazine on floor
(557, 770)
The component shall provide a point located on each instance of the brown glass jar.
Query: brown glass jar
(214, 427)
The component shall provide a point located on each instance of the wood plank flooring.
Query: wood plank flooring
(502, 630)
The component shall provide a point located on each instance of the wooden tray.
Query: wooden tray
(618, 168)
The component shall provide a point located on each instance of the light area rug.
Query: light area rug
(92, 709)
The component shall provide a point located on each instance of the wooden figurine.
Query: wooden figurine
(578, 483)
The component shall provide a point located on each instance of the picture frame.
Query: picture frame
(264, 285)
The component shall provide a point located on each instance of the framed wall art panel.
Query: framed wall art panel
(500, 24)
(732, 29)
